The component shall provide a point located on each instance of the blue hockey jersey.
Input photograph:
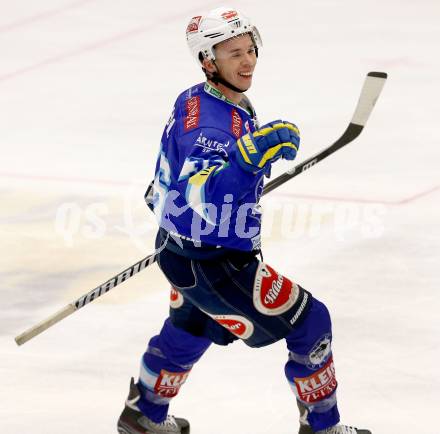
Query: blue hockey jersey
(201, 194)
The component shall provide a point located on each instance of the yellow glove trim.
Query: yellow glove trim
(267, 130)
(270, 153)
(242, 150)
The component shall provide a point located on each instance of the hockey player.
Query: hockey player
(209, 178)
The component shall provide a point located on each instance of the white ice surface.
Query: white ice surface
(85, 89)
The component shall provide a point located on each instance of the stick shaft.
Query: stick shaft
(370, 92)
(85, 299)
(45, 324)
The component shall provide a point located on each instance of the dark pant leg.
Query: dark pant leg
(236, 296)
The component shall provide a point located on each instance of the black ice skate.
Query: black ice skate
(132, 421)
(305, 428)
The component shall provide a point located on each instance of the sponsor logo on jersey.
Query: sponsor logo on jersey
(193, 25)
(211, 145)
(176, 298)
(229, 15)
(236, 124)
(274, 294)
(169, 383)
(318, 386)
(214, 92)
(320, 351)
(192, 113)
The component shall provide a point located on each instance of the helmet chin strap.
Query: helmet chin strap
(216, 78)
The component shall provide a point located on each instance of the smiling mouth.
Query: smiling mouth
(245, 74)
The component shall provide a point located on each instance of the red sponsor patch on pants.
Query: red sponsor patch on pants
(274, 294)
(236, 324)
(169, 383)
(239, 326)
(318, 386)
(176, 298)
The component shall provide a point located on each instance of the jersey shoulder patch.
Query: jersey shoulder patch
(198, 109)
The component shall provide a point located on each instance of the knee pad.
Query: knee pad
(178, 346)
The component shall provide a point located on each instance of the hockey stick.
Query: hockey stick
(370, 92)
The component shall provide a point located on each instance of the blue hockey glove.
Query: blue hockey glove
(258, 150)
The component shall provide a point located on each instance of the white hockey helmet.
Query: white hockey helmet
(218, 25)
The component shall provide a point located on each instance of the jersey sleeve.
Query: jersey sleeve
(209, 173)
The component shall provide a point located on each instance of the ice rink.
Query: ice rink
(86, 88)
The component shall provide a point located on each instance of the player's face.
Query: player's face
(236, 59)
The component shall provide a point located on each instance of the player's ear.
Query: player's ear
(209, 65)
